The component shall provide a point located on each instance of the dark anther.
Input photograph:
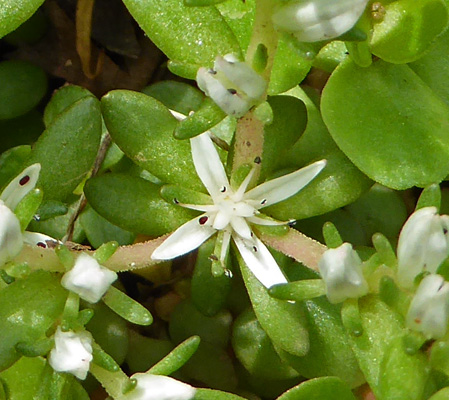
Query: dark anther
(264, 201)
(175, 200)
(213, 257)
(232, 91)
(203, 220)
(43, 245)
(257, 160)
(24, 180)
(223, 189)
(291, 224)
(252, 234)
(212, 72)
(255, 249)
(445, 231)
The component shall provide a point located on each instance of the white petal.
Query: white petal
(185, 239)
(241, 227)
(208, 165)
(20, 186)
(238, 195)
(11, 241)
(178, 115)
(221, 220)
(260, 261)
(429, 309)
(38, 239)
(230, 103)
(242, 76)
(422, 245)
(225, 246)
(158, 387)
(282, 188)
(341, 270)
(266, 221)
(88, 279)
(72, 353)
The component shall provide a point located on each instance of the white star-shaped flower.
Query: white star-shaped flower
(72, 353)
(233, 212)
(316, 20)
(159, 387)
(88, 279)
(423, 244)
(429, 309)
(11, 236)
(341, 270)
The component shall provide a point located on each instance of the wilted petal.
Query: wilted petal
(422, 246)
(282, 188)
(429, 309)
(20, 186)
(185, 239)
(72, 353)
(317, 20)
(341, 270)
(11, 241)
(158, 387)
(208, 165)
(88, 278)
(260, 261)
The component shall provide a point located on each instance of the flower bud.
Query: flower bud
(158, 387)
(423, 244)
(341, 270)
(11, 240)
(88, 279)
(429, 309)
(315, 20)
(72, 353)
(233, 85)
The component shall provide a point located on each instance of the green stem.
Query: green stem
(113, 382)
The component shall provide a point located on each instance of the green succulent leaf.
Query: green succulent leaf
(328, 387)
(11, 163)
(13, 14)
(110, 195)
(408, 29)
(209, 394)
(22, 85)
(68, 148)
(187, 35)
(143, 128)
(405, 136)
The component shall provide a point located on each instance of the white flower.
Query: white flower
(341, 270)
(72, 353)
(233, 85)
(158, 387)
(315, 20)
(231, 211)
(88, 278)
(429, 309)
(11, 235)
(423, 244)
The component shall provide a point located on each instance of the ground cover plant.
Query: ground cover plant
(224, 199)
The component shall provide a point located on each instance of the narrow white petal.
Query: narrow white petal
(185, 239)
(178, 115)
(238, 195)
(225, 246)
(38, 239)
(11, 241)
(158, 387)
(199, 207)
(20, 186)
(260, 261)
(266, 221)
(282, 188)
(241, 227)
(208, 165)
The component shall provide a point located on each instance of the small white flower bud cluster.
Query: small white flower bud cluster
(233, 85)
(316, 20)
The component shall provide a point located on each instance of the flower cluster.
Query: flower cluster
(233, 211)
(316, 20)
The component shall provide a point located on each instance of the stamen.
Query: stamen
(24, 180)
(175, 200)
(203, 220)
(291, 223)
(212, 72)
(255, 249)
(232, 91)
(41, 244)
(264, 201)
(223, 189)
(257, 160)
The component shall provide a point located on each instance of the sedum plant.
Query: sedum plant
(269, 223)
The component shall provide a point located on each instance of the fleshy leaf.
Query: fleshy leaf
(143, 128)
(13, 14)
(188, 35)
(405, 136)
(68, 148)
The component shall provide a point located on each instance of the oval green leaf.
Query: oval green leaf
(405, 136)
(13, 13)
